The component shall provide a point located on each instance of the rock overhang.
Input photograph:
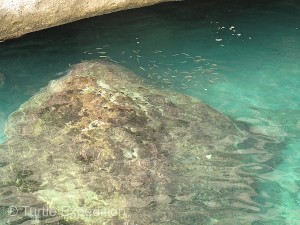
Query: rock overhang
(19, 17)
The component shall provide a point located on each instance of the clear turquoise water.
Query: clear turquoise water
(240, 57)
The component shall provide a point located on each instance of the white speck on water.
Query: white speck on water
(219, 39)
(239, 34)
(208, 156)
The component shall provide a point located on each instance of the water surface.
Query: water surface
(240, 57)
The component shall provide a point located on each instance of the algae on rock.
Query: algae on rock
(100, 146)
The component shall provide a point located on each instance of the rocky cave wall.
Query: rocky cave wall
(19, 17)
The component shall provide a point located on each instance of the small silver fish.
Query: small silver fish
(142, 68)
(185, 54)
(110, 59)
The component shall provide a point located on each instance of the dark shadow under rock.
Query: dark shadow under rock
(100, 146)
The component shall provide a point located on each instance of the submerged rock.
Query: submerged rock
(100, 146)
(19, 17)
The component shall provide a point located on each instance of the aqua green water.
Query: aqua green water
(240, 57)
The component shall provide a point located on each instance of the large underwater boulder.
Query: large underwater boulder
(101, 146)
(19, 17)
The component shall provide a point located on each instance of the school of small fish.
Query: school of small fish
(163, 68)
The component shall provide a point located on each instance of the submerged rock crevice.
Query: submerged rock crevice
(100, 145)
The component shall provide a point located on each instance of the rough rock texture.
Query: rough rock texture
(100, 146)
(18, 17)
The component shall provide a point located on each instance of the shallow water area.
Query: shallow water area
(240, 58)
